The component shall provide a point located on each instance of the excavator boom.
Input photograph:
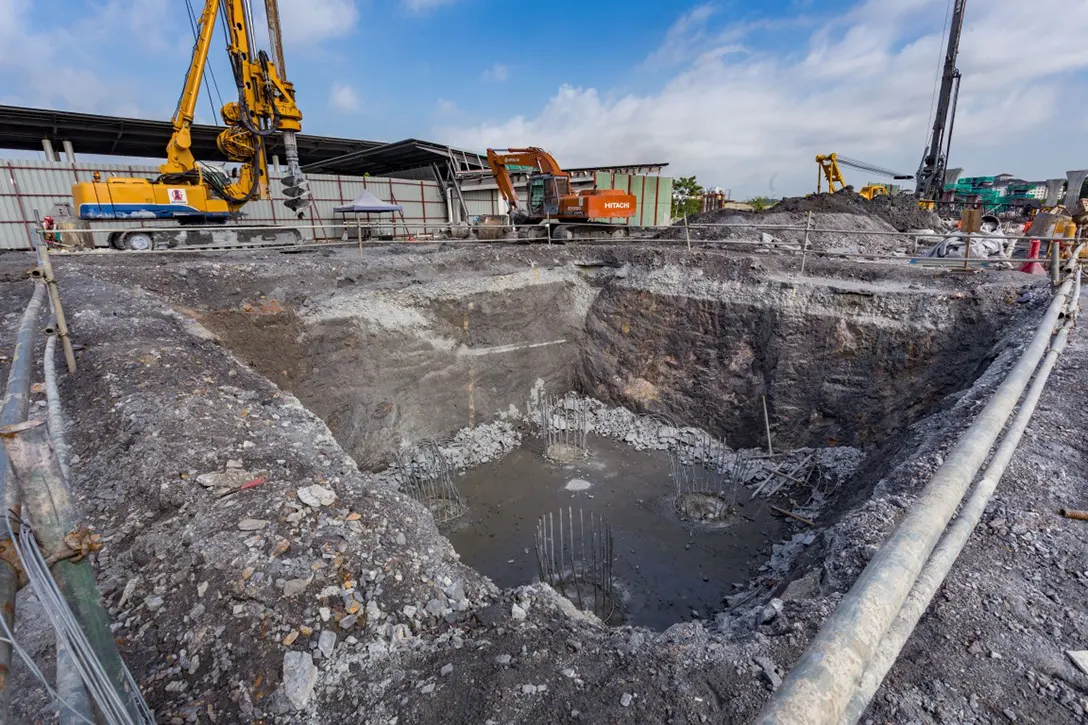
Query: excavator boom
(550, 196)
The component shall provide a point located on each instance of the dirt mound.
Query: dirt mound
(899, 210)
(829, 231)
(842, 202)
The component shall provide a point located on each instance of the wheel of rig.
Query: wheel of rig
(562, 233)
(137, 242)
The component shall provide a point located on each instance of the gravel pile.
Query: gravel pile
(469, 447)
(475, 446)
(841, 222)
(900, 210)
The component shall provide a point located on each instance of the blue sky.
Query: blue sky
(743, 94)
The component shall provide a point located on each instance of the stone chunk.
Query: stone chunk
(299, 677)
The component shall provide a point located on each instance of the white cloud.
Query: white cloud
(422, 6)
(310, 21)
(343, 97)
(497, 73)
(446, 107)
(53, 69)
(860, 86)
(687, 31)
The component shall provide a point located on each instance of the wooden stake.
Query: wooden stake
(767, 423)
(792, 515)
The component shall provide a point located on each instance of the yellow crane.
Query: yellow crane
(194, 193)
(829, 171)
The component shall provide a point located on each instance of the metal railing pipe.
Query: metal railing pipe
(819, 686)
(56, 414)
(14, 410)
(946, 553)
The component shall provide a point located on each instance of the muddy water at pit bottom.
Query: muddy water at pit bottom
(661, 582)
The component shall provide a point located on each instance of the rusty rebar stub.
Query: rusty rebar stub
(14, 428)
(79, 542)
(1073, 514)
(10, 556)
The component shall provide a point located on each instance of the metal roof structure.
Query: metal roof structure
(385, 159)
(647, 169)
(24, 128)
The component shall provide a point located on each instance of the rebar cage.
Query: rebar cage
(707, 477)
(565, 422)
(425, 475)
(574, 556)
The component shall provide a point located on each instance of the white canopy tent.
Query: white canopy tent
(366, 203)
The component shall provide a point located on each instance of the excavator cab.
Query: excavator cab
(545, 191)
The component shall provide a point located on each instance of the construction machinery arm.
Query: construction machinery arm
(179, 156)
(265, 105)
(500, 159)
(829, 169)
(930, 176)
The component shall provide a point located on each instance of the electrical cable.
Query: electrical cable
(67, 627)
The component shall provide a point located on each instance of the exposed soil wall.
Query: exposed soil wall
(381, 367)
(840, 361)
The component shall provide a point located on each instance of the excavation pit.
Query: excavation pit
(416, 343)
(664, 572)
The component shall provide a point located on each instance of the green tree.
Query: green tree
(761, 203)
(686, 197)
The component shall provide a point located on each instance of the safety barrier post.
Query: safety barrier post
(1055, 263)
(54, 297)
(804, 247)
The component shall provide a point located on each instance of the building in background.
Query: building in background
(1000, 193)
(436, 185)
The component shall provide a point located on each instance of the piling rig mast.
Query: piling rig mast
(930, 176)
(191, 192)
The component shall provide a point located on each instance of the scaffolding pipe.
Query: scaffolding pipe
(14, 410)
(56, 415)
(819, 686)
(944, 556)
(47, 504)
(70, 687)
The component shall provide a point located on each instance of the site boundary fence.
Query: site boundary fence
(456, 235)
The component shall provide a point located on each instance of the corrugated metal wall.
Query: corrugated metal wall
(653, 195)
(29, 189)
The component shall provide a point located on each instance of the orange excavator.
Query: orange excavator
(557, 210)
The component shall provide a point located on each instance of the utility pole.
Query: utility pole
(930, 176)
